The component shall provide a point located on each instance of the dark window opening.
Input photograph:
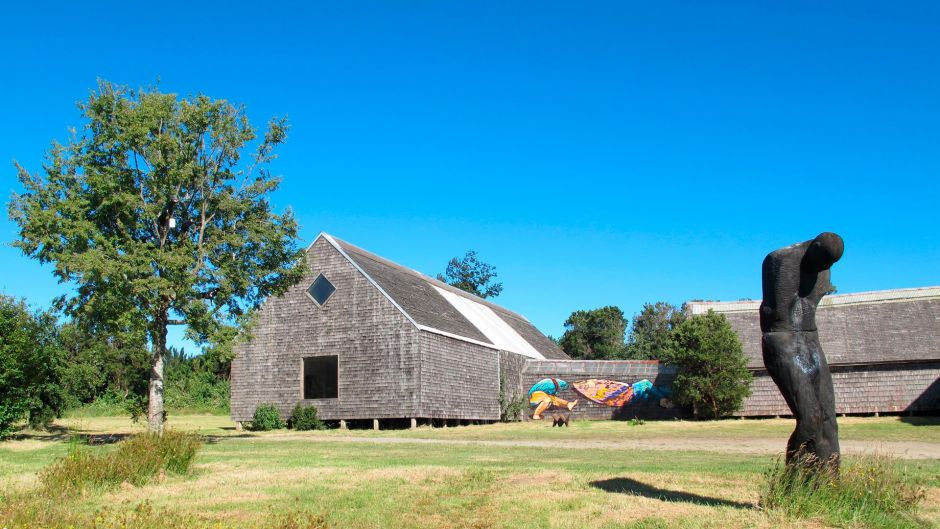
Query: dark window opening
(321, 289)
(321, 376)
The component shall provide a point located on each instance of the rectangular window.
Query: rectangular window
(321, 377)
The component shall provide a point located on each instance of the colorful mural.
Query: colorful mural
(617, 394)
(543, 395)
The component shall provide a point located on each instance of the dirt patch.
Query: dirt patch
(740, 445)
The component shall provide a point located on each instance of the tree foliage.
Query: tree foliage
(596, 334)
(651, 331)
(29, 386)
(712, 369)
(153, 214)
(472, 275)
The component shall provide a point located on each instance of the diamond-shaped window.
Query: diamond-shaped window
(321, 289)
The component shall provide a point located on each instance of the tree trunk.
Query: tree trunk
(155, 412)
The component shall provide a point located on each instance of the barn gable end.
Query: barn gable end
(377, 347)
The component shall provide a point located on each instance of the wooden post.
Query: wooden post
(342, 425)
(414, 423)
(375, 424)
(238, 426)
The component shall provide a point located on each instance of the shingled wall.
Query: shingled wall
(886, 388)
(377, 348)
(459, 379)
(883, 349)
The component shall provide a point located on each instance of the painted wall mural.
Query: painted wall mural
(543, 395)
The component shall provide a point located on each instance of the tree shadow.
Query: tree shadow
(51, 433)
(634, 487)
(216, 439)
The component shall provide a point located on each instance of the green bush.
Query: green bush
(135, 461)
(304, 417)
(871, 492)
(29, 361)
(712, 373)
(266, 417)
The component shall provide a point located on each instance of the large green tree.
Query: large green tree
(153, 213)
(712, 369)
(651, 330)
(472, 275)
(596, 334)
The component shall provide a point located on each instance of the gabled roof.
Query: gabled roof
(437, 307)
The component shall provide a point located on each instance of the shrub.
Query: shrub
(511, 408)
(872, 492)
(29, 359)
(266, 417)
(305, 418)
(135, 461)
(712, 370)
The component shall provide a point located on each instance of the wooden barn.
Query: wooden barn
(883, 349)
(364, 338)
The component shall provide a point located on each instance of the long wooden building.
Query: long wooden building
(883, 350)
(364, 338)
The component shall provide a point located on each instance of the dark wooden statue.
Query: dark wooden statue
(795, 279)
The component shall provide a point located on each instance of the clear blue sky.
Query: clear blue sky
(595, 153)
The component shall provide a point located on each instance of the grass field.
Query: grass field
(593, 474)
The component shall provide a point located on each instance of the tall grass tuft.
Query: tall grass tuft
(872, 491)
(135, 461)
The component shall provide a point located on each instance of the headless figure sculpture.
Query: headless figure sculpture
(794, 280)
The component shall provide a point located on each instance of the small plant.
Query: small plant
(135, 461)
(636, 421)
(871, 492)
(267, 417)
(304, 417)
(510, 408)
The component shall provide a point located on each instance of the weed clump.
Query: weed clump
(135, 461)
(870, 492)
(266, 417)
(305, 418)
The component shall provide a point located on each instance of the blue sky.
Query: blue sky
(610, 153)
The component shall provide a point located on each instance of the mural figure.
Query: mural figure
(794, 280)
(543, 395)
(617, 394)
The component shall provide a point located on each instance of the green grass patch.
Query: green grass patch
(870, 491)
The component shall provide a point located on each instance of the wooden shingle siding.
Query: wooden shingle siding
(883, 349)
(855, 333)
(511, 366)
(887, 388)
(459, 380)
(376, 346)
(628, 371)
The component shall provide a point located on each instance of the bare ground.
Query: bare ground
(741, 445)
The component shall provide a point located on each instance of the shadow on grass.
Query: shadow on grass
(921, 420)
(62, 434)
(55, 434)
(52, 433)
(636, 488)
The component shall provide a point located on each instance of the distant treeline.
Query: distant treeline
(48, 367)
